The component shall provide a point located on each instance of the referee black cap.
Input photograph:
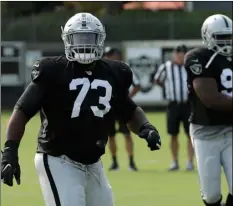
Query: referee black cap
(111, 51)
(181, 48)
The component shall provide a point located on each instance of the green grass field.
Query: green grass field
(151, 186)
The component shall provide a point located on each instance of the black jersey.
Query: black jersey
(75, 105)
(220, 68)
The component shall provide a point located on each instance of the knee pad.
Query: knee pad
(229, 201)
(218, 203)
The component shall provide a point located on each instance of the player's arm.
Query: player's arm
(207, 90)
(134, 91)
(205, 85)
(136, 86)
(134, 116)
(26, 107)
(137, 120)
(160, 75)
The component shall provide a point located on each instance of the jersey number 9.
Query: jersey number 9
(226, 81)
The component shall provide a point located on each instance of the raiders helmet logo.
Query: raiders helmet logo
(196, 69)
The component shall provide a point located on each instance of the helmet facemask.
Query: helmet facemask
(83, 47)
(224, 43)
(219, 42)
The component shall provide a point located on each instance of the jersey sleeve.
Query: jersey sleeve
(126, 76)
(160, 75)
(32, 98)
(195, 66)
(124, 105)
(40, 72)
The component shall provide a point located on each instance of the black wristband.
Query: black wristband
(147, 125)
(10, 153)
(12, 144)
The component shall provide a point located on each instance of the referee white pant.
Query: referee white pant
(68, 183)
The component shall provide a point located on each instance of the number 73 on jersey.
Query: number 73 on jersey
(86, 86)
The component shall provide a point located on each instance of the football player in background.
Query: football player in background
(115, 54)
(210, 84)
(76, 95)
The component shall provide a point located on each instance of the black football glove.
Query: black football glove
(9, 166)
(151, 135)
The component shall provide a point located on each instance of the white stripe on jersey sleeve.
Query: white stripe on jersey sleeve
(160, 74)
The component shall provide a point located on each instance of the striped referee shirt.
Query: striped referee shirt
(174, 79)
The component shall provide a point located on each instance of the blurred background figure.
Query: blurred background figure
(115, 54)
(173, 77)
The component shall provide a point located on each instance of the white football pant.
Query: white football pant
(211, 156)
(67, 183)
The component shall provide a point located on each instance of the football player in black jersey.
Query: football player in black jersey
(210, 84)
(115, 54)
(76, 95)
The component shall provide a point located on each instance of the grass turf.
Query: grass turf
(151, 186)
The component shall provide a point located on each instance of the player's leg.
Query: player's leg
(98, 191)
(61, 183)
(226, 158)
(229, 201)
(173, 130)
(209, 169)
(128, 144)
(112, 144)
(185, 119)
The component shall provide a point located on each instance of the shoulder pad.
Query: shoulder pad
(190, 54)
(126, 74)
(122, 71)
(203, 54)
(37, 69)
(43, 67)
(195, 62)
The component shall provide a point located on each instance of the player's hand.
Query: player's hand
(151, 135)
(10, 168)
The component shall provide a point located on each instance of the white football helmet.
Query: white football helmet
(216, 34)
(83, 37)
